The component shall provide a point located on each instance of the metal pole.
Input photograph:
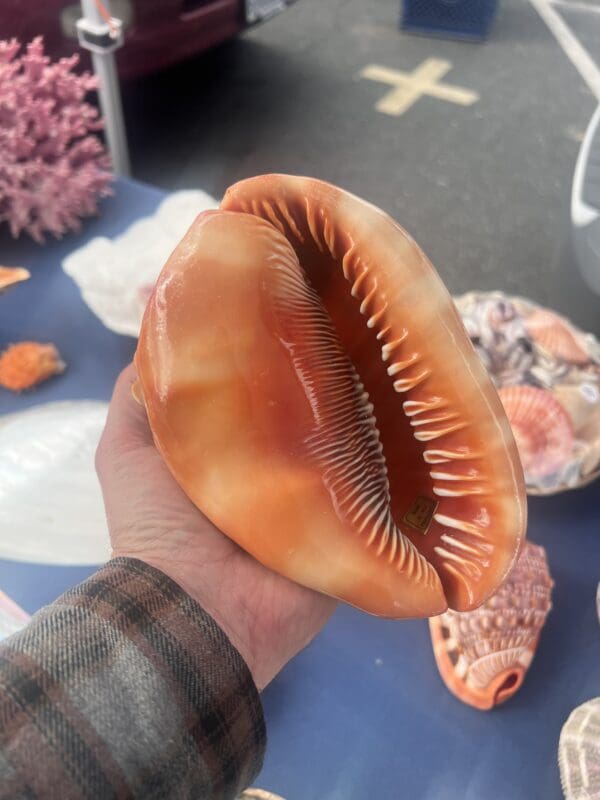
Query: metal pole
(101, 39)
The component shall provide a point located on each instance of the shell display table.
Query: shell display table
(362, 712)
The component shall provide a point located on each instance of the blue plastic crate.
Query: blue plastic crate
(462, 19)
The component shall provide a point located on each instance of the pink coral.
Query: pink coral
(52, 166)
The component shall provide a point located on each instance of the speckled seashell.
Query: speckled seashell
(554, 334)
(499, 336)
(547, 371)
(542, 429)
(579, 753)
(9, 276)
(483, 655)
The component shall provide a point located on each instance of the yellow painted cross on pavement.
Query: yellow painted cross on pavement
(411, 86)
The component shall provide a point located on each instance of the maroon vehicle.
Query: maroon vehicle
(158, 33)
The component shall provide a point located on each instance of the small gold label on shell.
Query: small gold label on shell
(420, 514)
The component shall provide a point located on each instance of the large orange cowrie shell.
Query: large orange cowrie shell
(310, 385)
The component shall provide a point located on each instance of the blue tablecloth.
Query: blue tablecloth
(362, 712)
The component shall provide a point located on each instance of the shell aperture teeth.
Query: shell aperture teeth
(361, 263)
(400, 366)
(429, 417)
(345, 442)
(407, 384)
(458, 524)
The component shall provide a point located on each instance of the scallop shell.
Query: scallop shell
(9, 276)
(556, 336)
(483, 655)
(542, 428)
(579, 753)
(311, 388)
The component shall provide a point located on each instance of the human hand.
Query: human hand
(268, 618)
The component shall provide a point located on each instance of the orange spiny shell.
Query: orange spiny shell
(542, 428)
(311, 387)
(483, 655)
(556, 336)
(26, 364)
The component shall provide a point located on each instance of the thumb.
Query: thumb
(126, 426)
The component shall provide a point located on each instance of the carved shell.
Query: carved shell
(483, 655)
(312, 389)
(542, 429)
(555, 335)
(579, 753)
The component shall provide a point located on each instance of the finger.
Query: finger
(126, 423)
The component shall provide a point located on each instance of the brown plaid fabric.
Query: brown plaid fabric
(124, 687)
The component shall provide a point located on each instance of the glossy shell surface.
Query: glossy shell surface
(579, 753)
(483, 655)
(312, 389)
(550, 363)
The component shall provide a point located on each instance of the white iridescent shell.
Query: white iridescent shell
(115, 275)
(48, 454)
(579, 753)
(483, 655)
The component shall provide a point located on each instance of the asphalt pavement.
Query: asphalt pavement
(482, 183)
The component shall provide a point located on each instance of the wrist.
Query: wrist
(232, 620)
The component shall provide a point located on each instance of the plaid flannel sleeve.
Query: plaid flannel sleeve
(124, 687)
